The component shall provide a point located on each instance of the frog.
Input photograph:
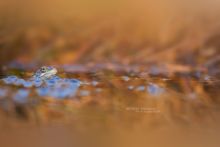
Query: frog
(45, 72)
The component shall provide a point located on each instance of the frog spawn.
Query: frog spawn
(60, 88)
(54, 87)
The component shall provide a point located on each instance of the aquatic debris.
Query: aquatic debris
(155, 70)
(192, 95)
(130, 87)
(125, 78)
(84, 93)
(94, 83)
(207, 78)
(98, 90)
(154, 89)
(140, 88)
(198, 74)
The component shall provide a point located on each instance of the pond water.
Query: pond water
(108, 107)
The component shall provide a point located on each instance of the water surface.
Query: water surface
(109, 107)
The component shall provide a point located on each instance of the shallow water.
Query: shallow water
(107, 107)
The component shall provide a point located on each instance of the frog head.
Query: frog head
(45, 72)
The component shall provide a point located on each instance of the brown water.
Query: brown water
(129, 107)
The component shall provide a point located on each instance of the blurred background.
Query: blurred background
(122, 31)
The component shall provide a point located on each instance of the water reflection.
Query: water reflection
(108, 93)
(21, 96)
(154, 89)
(55, 87)
(3, 92)
(59, 88)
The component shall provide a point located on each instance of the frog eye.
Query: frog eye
(43, 69)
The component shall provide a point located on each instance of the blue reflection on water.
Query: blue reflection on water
(43, 91)
(21, 96)
(154, 89)
(3, 92)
